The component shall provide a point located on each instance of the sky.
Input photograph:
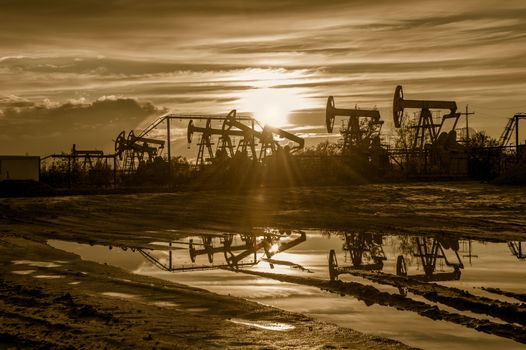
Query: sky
(82, 71)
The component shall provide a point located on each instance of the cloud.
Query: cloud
(203, 56)
(43, 128)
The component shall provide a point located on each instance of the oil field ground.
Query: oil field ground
(53, 296)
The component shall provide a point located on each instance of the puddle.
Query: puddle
(23, 272)
(167, 304)
(463, 264)
(119, 295)
(36, 263)
(196, 309)
(49, 277)
(74, 283)
(267, 325)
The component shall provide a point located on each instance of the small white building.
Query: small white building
(19, 168)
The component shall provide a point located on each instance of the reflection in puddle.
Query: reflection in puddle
(119, 295)
(196, 309)
(48, 276)
(23, 272)
(36, 263)
(467, 265)
(167, 304)
(271, 326)
(516, 249)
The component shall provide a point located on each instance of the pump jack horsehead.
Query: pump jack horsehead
(354, 134)
(425, 123)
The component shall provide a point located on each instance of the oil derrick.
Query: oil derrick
(135, 149)
(511, 127)
(426, 129)
(366, 253)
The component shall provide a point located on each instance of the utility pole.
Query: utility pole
(467, 113)
(168, 141)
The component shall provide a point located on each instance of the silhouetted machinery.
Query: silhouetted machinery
(366, 253)
(426, 130)
(436, 149)
(430, 250)
(134, 149)
(247, 245)
(246, 147)
(86, 155)
(361, 135)
(516, 249)
(362, 130)
(511, 126)
(225, 147)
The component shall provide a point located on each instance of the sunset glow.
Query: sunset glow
(271, 106)
(278, 61)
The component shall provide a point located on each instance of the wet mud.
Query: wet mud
(454, 297)
(97, 306)
(371, 295)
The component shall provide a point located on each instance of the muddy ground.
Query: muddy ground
(58, 312)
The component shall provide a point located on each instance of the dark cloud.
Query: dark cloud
(46, 127)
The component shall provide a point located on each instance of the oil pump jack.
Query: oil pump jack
(362, 130)
(426, 129)
(225, 146)
(361, 135)
(134, 149)
(86, 155)
(250, 136)
(432, 147)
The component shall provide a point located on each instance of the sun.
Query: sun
(269, 105)
(271, 99)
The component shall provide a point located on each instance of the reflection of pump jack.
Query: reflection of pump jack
(168, 265)
(468, 249)
(429, 250)
(272, 244)
(516, 249)
(272, 248)
(210, 250)
(366, 253)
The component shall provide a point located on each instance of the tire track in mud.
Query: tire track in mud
(454, 297)
(518, 296)
(370, 295)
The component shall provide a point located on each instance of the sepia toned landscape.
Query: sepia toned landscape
(262, 175)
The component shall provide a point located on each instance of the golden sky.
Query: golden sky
(81, 71)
